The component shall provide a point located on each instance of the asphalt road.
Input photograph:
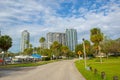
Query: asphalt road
(62, 70)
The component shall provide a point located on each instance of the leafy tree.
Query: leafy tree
(106, 45)
(65, 51)
(96, 37)
(42, 40)
(35, 50)
(79, 47)
(5, 44)
(111, 46)
(87, 47)
(28, 51)
(71, 54)
(47, 52)
(56, 48)
(41, 51)
(118, 45)
(114, 46)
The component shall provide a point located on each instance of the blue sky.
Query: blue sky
(42, 16)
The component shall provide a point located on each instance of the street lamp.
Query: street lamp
(84, 52)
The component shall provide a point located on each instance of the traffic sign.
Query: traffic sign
(79, 52)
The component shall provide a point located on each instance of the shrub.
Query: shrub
(45, 58)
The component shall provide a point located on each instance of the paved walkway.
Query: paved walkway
(62, 70)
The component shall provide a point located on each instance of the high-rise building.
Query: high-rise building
(55, 36)
(71, 38)
(25, 40)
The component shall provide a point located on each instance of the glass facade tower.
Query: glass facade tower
(71, 38)
(25, 40)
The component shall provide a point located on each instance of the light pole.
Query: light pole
(84, 52)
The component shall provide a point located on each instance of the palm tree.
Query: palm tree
(96, 37)
(42, 40)
(87, 47)
(65, 50)
(28, 51)
(56, 48)
(5, 44)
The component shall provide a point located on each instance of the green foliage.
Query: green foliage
(65, 50)
(28, 51)
(47, 52)
(56, 48)
(60, 50)
(5, 42)
(96, 36)
(95, 31)
(79, 47)
(110, 46)
(26, 64)
(45, 58)
(42, 40)
(71, 54)
(88, 49)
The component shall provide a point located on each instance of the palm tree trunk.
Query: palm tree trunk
(100, 54)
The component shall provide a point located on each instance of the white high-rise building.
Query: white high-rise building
(71, 38)
(25, 40)
(55, 36)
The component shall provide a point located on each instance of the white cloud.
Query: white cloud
(41, 17)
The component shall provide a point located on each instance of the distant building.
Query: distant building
(71, 38)
(25, 40)
(55, 36)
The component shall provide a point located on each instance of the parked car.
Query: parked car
(8, 60)
(1, 61)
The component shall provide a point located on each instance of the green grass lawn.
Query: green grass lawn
(110, 66)
(26, 64)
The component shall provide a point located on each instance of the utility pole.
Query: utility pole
(84, 53)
